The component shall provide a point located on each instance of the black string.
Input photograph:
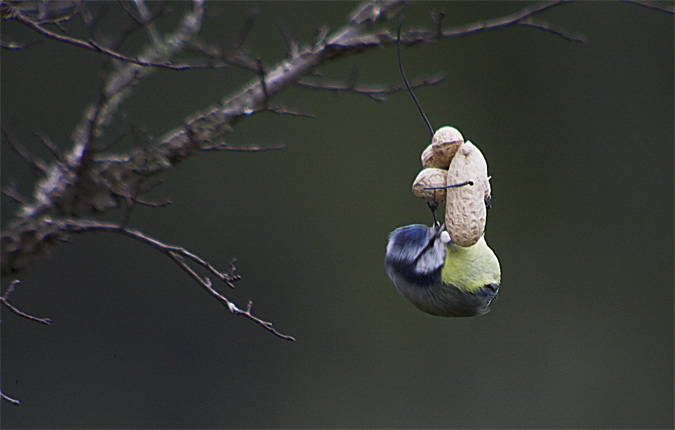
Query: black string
(405, 80)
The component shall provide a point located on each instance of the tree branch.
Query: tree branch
(653, 6)
(11, 400)
(522, 17)
(179, 255)
(16, 14)
(375, 92)
(4, 299)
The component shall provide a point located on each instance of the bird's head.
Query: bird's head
(417, 253)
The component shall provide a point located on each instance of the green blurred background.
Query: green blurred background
(579, 141)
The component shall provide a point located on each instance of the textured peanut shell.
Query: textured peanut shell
(443, 147)
(465, 210)
(430, 177)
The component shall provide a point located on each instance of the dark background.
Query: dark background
(579, 141)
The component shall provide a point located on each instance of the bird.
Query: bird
(440, 277)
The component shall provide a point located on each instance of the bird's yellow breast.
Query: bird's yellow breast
(470, 268)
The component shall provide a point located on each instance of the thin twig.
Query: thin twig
(35, 163)
(261, 74)
(543, 25)
(95, 46)
(437, 19)
(17, 46)
(282, 110)
(50, 145)
(13, 193)
(11, 400)
(376, 92)
(653, 6)
(291, 43)
(246, 29)
(4, 299)
(219, 58)
(414, 37)
(226, 147)
(180, 256)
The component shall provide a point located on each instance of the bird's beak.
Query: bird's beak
(436, 230)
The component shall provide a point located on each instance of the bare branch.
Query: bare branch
(161, 204)
(246, 29)
(226, 147)
(4, 299)
(261, 74)
(16, 46)
(415, 37)
(11, 400)
(543, 25)
(50, 145)
(180, 256)
(12, 192)
(653, 6)
(35, 163)
(217, 57)
(93, 45)
(376, 92)
(291, 43)
(437, 19)
(282, 110)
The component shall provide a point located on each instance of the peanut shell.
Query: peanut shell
(465, 207)
(430, 177)
(444, 145)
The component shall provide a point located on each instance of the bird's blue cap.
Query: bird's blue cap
(406, 246)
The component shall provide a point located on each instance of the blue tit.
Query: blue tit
(439, 277)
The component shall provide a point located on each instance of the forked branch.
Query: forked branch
(182, 257)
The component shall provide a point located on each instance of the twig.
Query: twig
(414, 37)
(375, 92)
(12, 192)
(353, 76)
(226, 147)
(4, 299)
(35, 163)
(219, 58)
(653, 6)
(56, 152)
(282, 110)
(95, 46)
(514, 18)
(261, 75)
(9, 399)
(246, 29)
(291, 43)
(437, 19)
(17, 46)
(543, 25)
(180, 256)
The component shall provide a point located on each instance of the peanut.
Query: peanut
(444, 145)
(465, 207)
(430, 177)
